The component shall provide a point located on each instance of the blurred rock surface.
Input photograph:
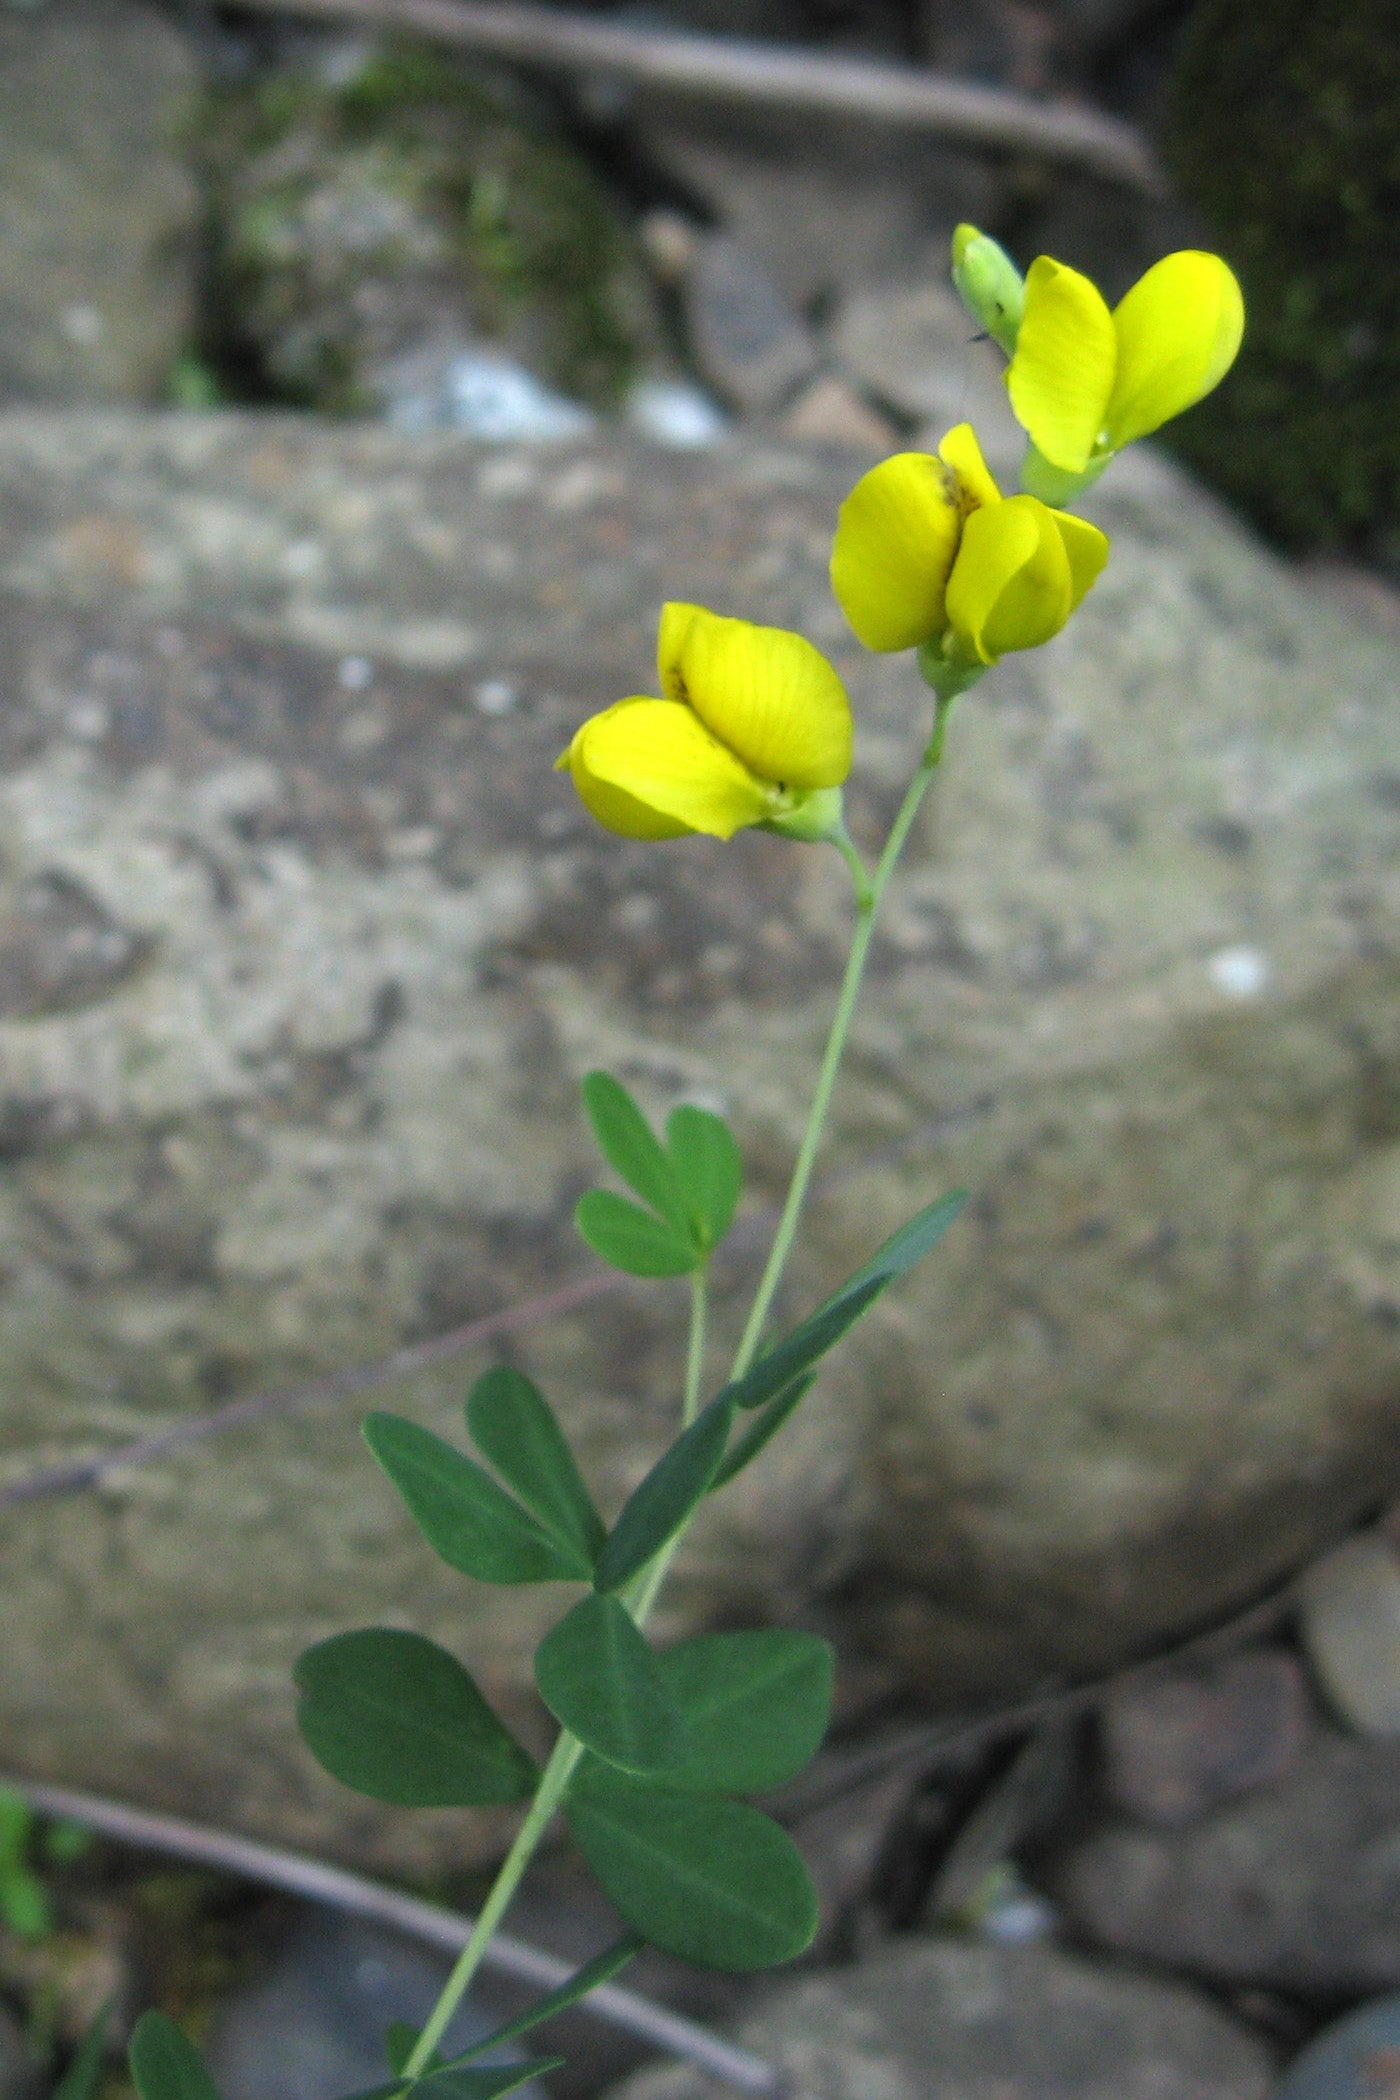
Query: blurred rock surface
(307, 947)
(921, 2018)
(99, 211)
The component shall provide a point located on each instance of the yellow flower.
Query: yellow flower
(1084, 382)
(754, 728)
(927, 551)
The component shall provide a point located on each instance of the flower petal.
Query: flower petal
(1178, 331)
(1061, 378)
(895, 541)
(650, 770)
(1087, 551)
(961, 451)
(1010, 587)
(768, 695)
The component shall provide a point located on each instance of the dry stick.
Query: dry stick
(319, 1883)
(726, 69)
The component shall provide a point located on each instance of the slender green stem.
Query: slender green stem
(831, 1059)
(554, 1780)
(695, 1347)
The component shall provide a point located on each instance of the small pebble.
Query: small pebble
(1351, 1630)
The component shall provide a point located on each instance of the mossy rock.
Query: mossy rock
(416, 201)
(1285, 133)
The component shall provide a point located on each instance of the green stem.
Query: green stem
(554, 1781)
(869, 905)
(695, 1347)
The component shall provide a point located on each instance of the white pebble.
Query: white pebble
(1240, 973)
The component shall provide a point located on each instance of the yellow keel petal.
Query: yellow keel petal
(650, 770)
(1010, 587)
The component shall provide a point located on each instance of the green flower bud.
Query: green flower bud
(989, 285)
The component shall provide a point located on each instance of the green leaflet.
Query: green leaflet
(708, 1168)
(630, 1238)
(659, 1505)
(468, 1518)
(755, 1707)
(714, 1882)
(164, 2065)
(396, 1717)
(513, 1425)
(599, 1677)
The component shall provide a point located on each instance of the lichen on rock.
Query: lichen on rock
(416, 201)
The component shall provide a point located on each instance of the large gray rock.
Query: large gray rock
(305, 948)
(99, 214)
(936, 2020)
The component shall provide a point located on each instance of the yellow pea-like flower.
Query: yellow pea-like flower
(929, 553)
(754, 728)
(897, 539)
(1085, 381)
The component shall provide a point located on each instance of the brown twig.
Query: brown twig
(314, 1879)
(728, 70)
(82, 1473)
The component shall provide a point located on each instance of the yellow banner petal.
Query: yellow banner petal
(896, 537)
(677, 618)
(1086, 549)
(650, 770)
(1010, 586)
(1061, 378)
(768, 695)
(961, 451)
(1178, 331)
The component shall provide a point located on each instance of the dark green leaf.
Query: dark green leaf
(708, 1167)
(467, 1517)
(515, 1427)
(80, 2080)
(598, 1677)
(806, 1345)
(711, 1881)
(761, 1431)
(656, 1509)
(164, 2065)
(602, 1967)
(627, 1143)
(400, 2041)
(630, 1238)
(25, 1906)
(821, 1330)
(903, 1249)
(398, 1718)
(755, 1707)
(483, 2081)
